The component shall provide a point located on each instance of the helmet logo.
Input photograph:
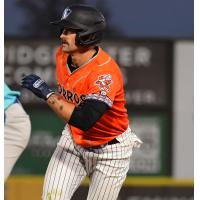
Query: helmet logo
(66, 13)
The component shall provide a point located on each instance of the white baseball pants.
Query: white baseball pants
(17, 130)
(106, 168)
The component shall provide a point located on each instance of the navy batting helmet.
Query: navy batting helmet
(87, 21)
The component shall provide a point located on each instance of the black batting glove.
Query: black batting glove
(36, 85)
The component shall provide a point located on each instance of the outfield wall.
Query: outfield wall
(140, 188)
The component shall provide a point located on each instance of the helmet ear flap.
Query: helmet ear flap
(78, 39)
(83, 40)
(90, 39)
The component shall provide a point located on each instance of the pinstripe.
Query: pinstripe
(123, 175)
(119, 153)
(94, 182)
(103, 174)
(113, 175)
(94, 161)
(78, 180)
(73, 185)
(99, 175)
(61, 171)
(51, 167)
(94, 187)
(78, 173)
(111, 185)
(106, 167)
(69, 165)
(115, 194)
(58, 162)
(88, 162)
(67, 173)
(108, 181)
(62, 168)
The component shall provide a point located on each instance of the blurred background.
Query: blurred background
(152, 41)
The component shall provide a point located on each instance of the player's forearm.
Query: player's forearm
(60, 106)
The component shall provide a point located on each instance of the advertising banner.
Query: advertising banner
(146, 67)
(152, 158)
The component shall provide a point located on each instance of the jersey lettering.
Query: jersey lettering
(71, 97)
(68, 95)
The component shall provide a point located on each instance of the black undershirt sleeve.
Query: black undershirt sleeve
(87, 113)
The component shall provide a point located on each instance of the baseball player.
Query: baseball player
(17, 129)
(96, 141)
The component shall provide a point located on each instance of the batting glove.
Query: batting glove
(36, 85)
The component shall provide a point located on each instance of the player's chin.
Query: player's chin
(65, 48)
(68, 49)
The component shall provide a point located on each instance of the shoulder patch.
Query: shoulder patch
(104, 81)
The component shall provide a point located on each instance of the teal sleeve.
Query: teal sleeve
(10, 96)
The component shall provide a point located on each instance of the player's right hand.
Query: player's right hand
(36, 85)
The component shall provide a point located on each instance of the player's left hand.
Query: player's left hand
(38, 86)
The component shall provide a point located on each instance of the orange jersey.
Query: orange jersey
(99, 79)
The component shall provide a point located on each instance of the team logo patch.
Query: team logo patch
(66, 13)
(104, 81)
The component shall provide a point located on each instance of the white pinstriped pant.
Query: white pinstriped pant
(106, 168)
(17, 131)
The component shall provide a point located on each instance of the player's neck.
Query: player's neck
(81, 58)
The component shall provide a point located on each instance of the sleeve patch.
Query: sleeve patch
(104, 82)
(98, 97)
